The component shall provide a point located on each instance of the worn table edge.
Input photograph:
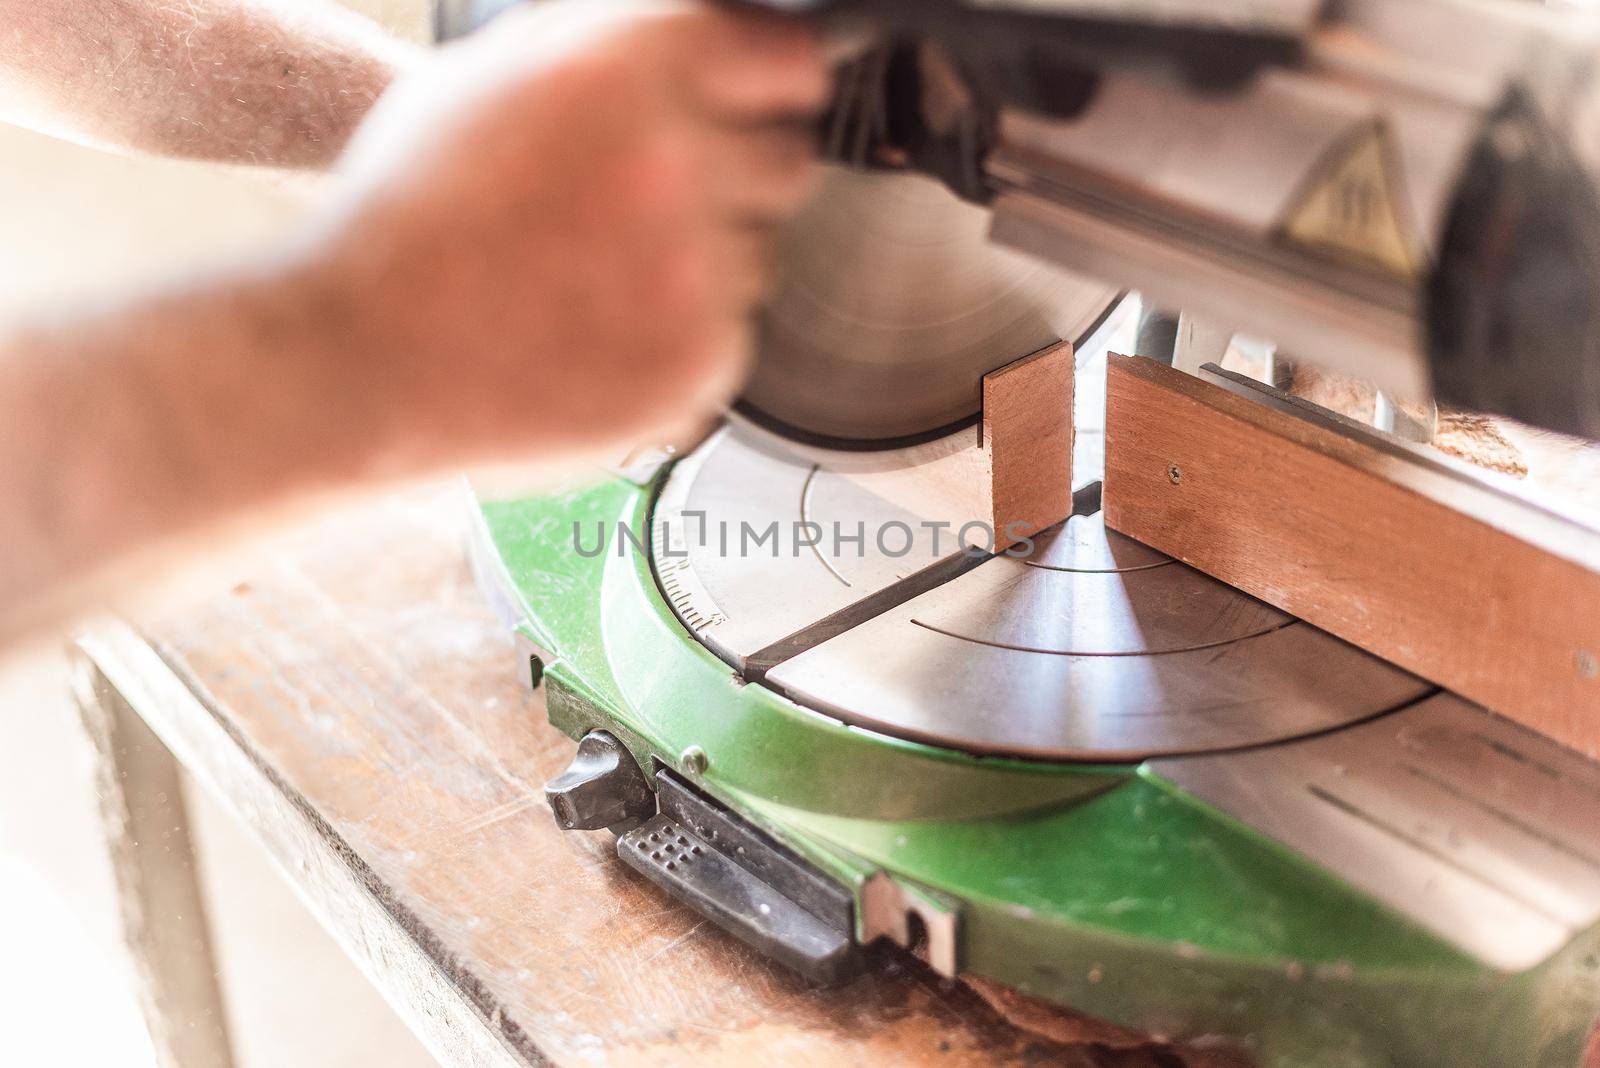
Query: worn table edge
(456, 1018)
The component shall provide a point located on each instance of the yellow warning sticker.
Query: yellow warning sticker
(1353, 205)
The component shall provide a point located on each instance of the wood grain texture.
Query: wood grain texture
(1027, 432)
(1410, 557)
(361, 710)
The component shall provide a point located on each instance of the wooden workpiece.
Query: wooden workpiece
(1011, 474)
(1407, 554)
(1027, 441)
(358, 707)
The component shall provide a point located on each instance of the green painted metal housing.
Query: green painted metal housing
(1100, 887)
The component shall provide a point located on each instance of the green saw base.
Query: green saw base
(1099, 887)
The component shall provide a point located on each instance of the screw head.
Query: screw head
(1175, 473)
(693, 760)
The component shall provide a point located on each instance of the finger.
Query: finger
(760, 174)
(685, 436)
(751, 67)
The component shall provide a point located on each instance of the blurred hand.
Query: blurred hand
(558, 228)
(547, 242)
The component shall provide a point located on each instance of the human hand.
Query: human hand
(554, 234)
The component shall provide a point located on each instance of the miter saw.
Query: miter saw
(1086, 770)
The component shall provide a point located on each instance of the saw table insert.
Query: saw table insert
(1091, 647)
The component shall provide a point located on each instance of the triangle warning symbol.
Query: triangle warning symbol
(1352, 205)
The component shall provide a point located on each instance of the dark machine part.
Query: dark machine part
(901, 105)
(1021, 49)
(1511, 307)
(1022, 46)
(746, 883)
(1438, 227)
(1514, 304)
(603, 787)
(1040, 57)
(711, 859)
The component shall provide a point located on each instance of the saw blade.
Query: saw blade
(890, 307)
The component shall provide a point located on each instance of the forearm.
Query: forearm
(545, 253)
(240, 81)
(146, 432)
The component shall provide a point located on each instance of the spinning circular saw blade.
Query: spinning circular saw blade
(890, 307)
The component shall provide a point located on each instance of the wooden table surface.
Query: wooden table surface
(358, 707)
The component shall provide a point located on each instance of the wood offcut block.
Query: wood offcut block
(1011, 474)
(1027, 442)
(1408, 554)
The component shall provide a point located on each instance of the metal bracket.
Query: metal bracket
(888, 909)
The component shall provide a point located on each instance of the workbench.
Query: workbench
(358, 707)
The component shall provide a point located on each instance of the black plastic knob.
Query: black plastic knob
(602, 787)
